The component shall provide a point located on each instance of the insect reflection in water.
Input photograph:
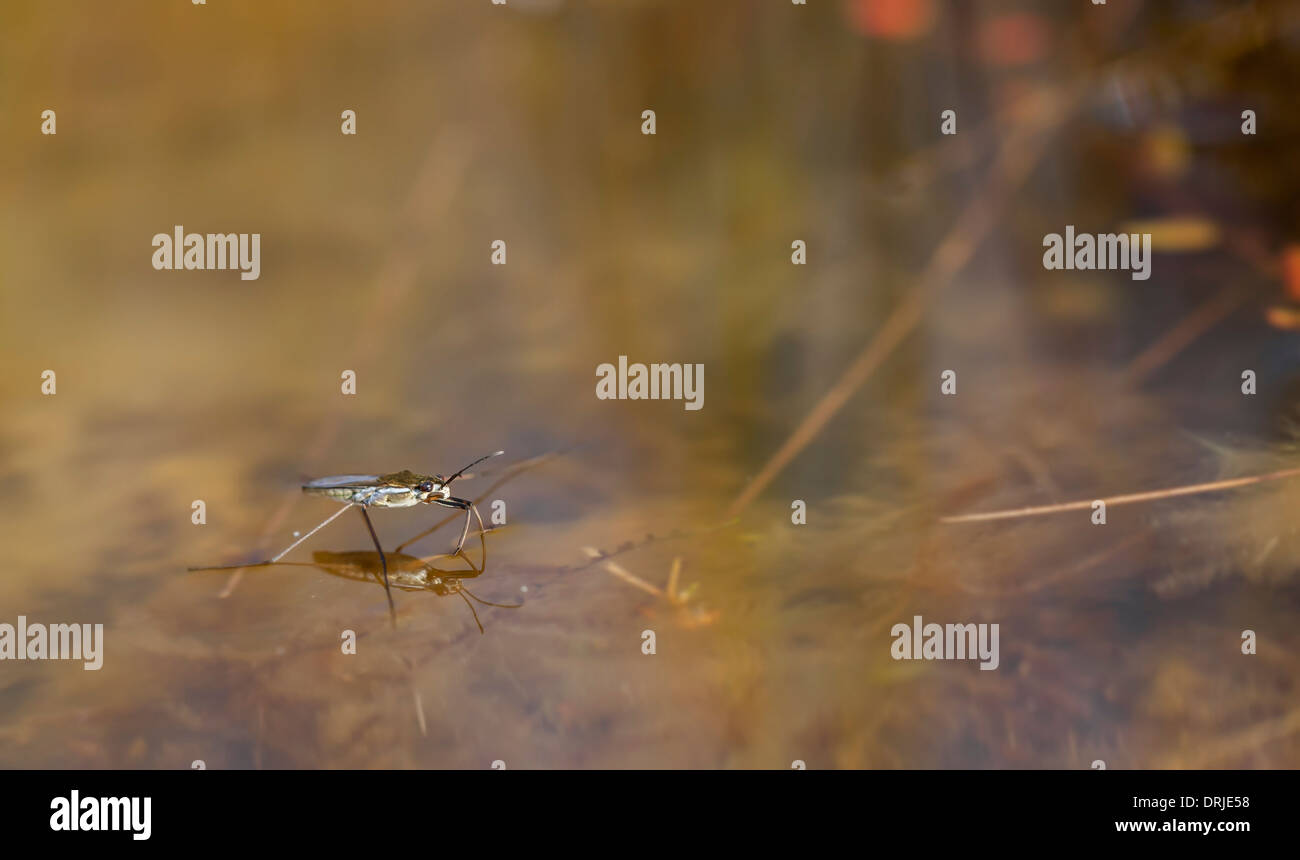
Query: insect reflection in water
(409, 573)
(405, 573)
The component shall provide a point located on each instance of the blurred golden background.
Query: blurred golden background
(775, 122)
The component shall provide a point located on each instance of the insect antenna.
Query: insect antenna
(471, 465)
(471, 609)
(490, 603)
(462, 591)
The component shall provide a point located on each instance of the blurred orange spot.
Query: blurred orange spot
(1015, 39)
(891, 19)
(1166, 151)
(1291, 270)
(1177, 234)
(1285, 318)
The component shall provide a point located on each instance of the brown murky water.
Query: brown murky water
(1119, 643)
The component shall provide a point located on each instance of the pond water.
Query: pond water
(772, 640)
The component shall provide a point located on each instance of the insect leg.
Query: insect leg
(460, 574)
(383, 562)
(473, 571)
(282, 553)
(460, 504)
(464, 532)
(482, 537)
(468, 507)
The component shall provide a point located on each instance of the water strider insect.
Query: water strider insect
(399, 490)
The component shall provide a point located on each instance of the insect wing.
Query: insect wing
(343, 482)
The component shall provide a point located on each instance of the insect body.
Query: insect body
(398, 490)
